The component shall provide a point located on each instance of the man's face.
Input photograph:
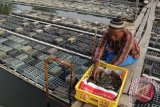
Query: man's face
(115, 34)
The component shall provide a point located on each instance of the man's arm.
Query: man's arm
(98, 53)
(123, 53)
(99, 50)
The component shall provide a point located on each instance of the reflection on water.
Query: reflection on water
(44, 9)
(68, 14)
(5, 9)
(23, 7)
(15, 92)
(85, 17)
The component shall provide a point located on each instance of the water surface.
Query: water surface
(15, 92)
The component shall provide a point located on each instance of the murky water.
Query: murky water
(6, 9)
(15, 92)
(22, 7)
(74, 15)
(86, 17)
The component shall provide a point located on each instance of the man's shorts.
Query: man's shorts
(110, 55)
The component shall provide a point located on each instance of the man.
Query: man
(118, 46)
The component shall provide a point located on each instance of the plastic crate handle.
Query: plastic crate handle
(66, 64)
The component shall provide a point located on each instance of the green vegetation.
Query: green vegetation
(5, 9)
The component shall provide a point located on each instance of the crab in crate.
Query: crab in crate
(106, 83)
(107, 79)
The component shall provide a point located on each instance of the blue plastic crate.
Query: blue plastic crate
(54, 82)
(15, 64)
(28, 60)
(40, 65)
(8, 61)
(142, 105)
(27, 71)
(22, 56)
(155, 72)
(55, 71)
(41, 79)
(43, 56)
(3, 40)
(36, 74)
(157, 65)
(40, 47)
(157, 98)
(21, 68)
(81, 61)
(155, 105)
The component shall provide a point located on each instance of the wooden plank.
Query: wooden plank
(158, 5)
(138, 21)
(150, 4)
(135, 70)
(143, 46)
(131, 67)
(144, 43)
(129, 78)
(124, 101)
(142, 26)
(139, 18)
(137, 39)
(152, 15)
(77, 103)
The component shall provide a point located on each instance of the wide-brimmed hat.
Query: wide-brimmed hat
(117, 23)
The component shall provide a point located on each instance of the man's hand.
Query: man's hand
(98, 54)
(95, 69)
(95, 61)
(114, 60)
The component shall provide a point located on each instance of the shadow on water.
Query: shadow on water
(5, 8)
(15, 92)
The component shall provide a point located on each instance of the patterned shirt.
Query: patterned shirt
(127, 45)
